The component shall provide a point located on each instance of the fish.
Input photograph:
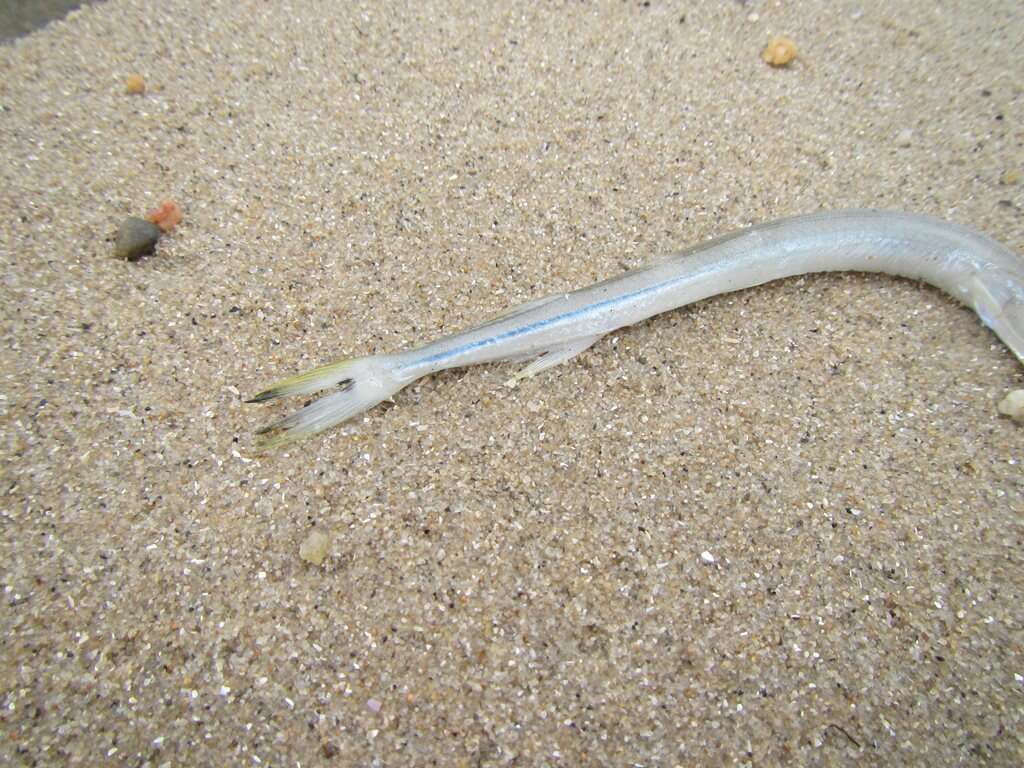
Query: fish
(969, 266)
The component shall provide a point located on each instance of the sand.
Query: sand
(781, 526)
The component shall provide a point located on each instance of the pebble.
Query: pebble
(1013, 405)
(315, 548)
(135, 238)
(905, 137)
(707, 557)
(779, 51)
(135, 84)
(167, 216)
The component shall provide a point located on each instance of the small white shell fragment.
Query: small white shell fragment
(315, 548)
(1013, 405)
(707, 557)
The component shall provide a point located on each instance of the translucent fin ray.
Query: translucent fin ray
(552, 357)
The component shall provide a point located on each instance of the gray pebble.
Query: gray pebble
(135, 238)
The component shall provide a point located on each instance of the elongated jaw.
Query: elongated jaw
(361, 384)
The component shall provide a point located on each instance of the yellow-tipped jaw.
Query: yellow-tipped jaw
(306, 383)
(363, 383)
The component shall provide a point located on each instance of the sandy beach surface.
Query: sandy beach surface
(782, 526)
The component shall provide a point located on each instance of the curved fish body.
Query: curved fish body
(969, 266)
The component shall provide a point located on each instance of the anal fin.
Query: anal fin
(552, 357)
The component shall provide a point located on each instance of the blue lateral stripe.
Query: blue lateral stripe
(511, 334)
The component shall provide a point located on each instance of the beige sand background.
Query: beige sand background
(516, 576)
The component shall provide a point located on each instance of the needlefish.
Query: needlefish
(972, 268)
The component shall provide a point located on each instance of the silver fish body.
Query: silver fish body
(969, 266)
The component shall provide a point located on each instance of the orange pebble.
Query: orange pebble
(135, 84)
(779, 52)
(167, 216)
